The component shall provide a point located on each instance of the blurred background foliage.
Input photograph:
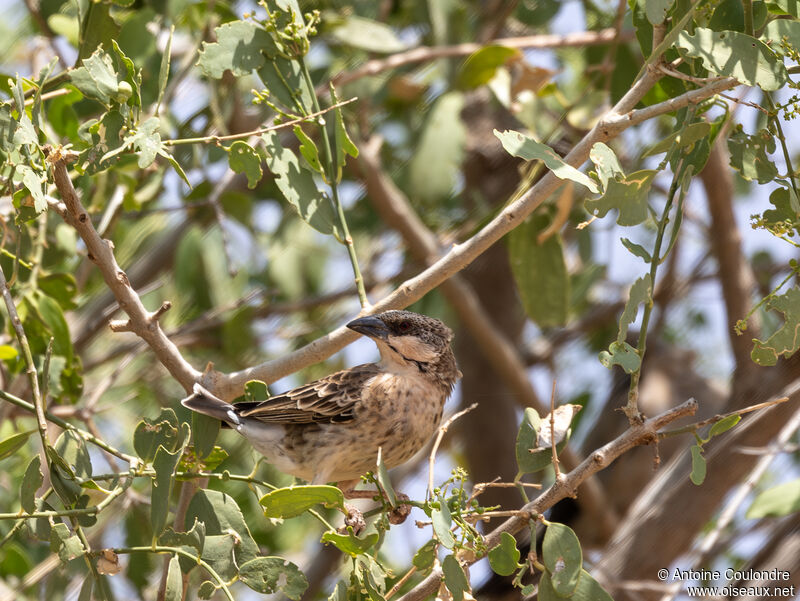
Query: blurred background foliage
(199, 220)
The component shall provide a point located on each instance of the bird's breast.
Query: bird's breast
(404, 411)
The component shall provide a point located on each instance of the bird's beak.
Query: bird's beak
(370, 326)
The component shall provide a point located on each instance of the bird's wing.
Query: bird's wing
(329, 399)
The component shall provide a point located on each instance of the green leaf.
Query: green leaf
(222, 517)
(385, 483)
(423, 558)
(344, 145)
(70, 448)
(194, 538)
(441, 525)
(728, 14)
(13, 443)
(146, 141)
(161, 431)
(60, 287)
(97, 78)
(350, 543)
(734, 54)
(308, 149)
(436, 163)
(256, 391)
(164, 464)
(53, 316)
(295, 500)
(636, 249)
(34, 182)
(504, 558)
(606, 162)
(7, 353)
(454, 578)
(724, 425)
(656, 10)
(68, 546)
(204, 434)
(789, 7)
(680, 139)
(243, 158)
(641, 293)
(622, 354)
(284, 80)
(750, 155)
(519, 145)
(563, 558)
(540, 272)
(588, 590)
(482, 64)
(272, 574)
(206, 590)
(298, 187)
(783, 35)
(776, 502)
(787, 339)
(238, 49)
(628, 194)
(31, 482)
(368, 35)
(174, 590)
(698, 474)
(526, 439)
(98, 28)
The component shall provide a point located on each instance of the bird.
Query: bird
(330, 430)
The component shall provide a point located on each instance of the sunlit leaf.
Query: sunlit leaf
(734, 54)
(295, 500)
(504, 558)
(786, 340)
(563, 558)
(519, 145)
(777, 501)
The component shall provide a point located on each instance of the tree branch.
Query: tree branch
(644, 433)
(141, 321)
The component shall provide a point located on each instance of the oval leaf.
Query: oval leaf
(272, 574)
(563, 558)
(734, 54)
(295, 500)
(698, 465)
(504, 558)
(777, 501)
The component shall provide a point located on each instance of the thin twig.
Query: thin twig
(712, 420)
(637, 434)
(439, 435)
(259, 131)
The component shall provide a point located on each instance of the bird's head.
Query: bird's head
(404, 337)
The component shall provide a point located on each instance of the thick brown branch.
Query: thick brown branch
(141, 321)
(644, 433)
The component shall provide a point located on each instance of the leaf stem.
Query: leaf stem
(332, 176)
(179, 551)
(632, 408)
(256, 132)
(33, 376)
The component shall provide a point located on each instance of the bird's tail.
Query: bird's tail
(202, 401)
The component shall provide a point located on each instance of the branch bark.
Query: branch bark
(142, 322)
(601, 458)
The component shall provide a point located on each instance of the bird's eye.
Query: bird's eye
(404, 326)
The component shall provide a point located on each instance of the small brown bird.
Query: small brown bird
(330, 430)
